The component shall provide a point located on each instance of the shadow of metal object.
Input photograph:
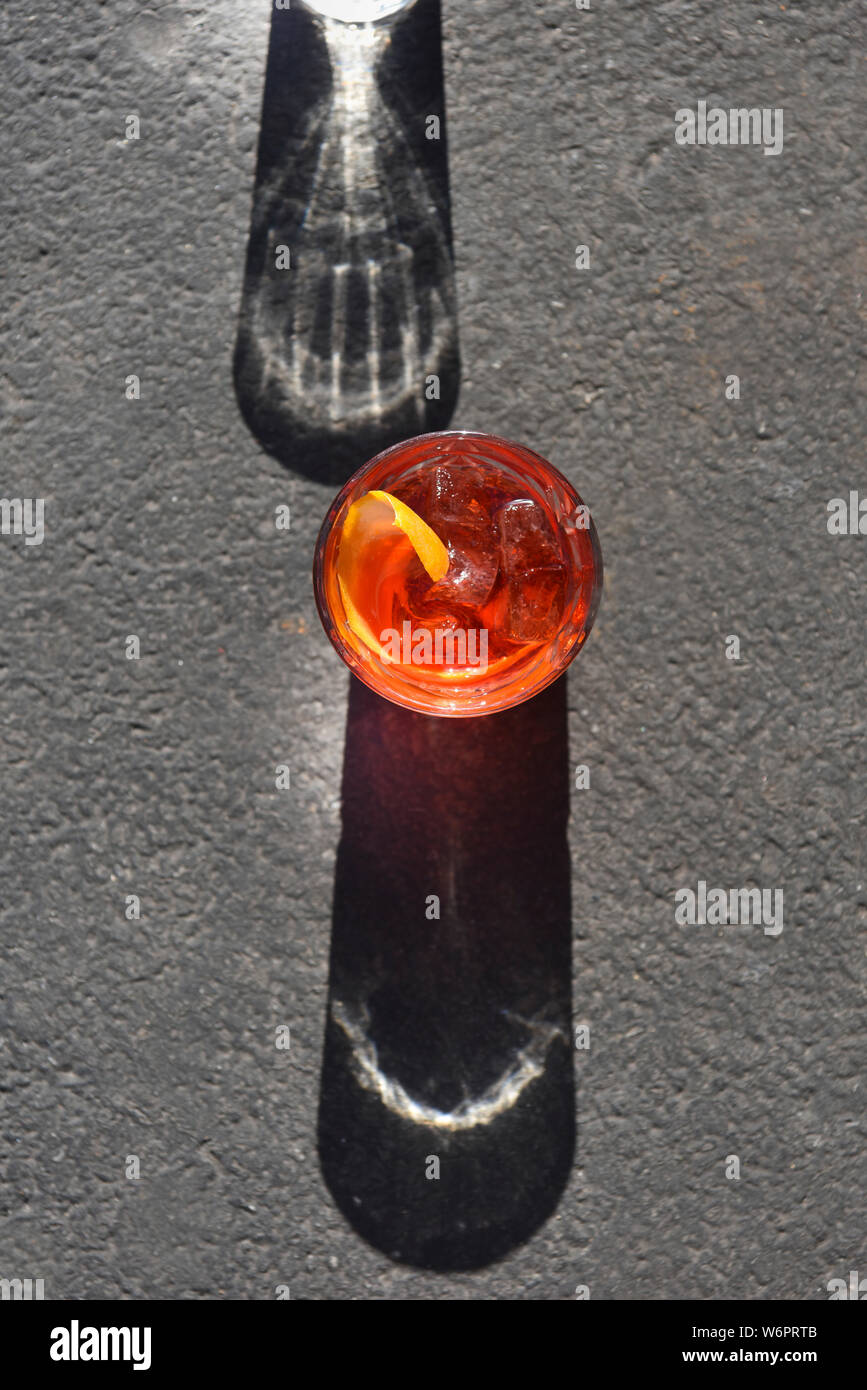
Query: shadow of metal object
(347, 336)
(449, 1037)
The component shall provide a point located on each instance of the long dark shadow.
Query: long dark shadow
(447, 1118)
(446, 1121)
(347, 335)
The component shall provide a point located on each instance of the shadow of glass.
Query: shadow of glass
(447, 1118)
(347, 335)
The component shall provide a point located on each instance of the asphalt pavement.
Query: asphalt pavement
(167, 908)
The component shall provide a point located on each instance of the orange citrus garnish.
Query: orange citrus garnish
(378, 516)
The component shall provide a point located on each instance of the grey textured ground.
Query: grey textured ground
(156, 777)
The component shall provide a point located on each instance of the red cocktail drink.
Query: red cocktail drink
(458, 574)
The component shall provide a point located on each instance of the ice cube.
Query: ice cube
(457, 494)
(415, 492)
(473, 566)
(527, 541)
(533, 607)
(457, 512)
(424, 603)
